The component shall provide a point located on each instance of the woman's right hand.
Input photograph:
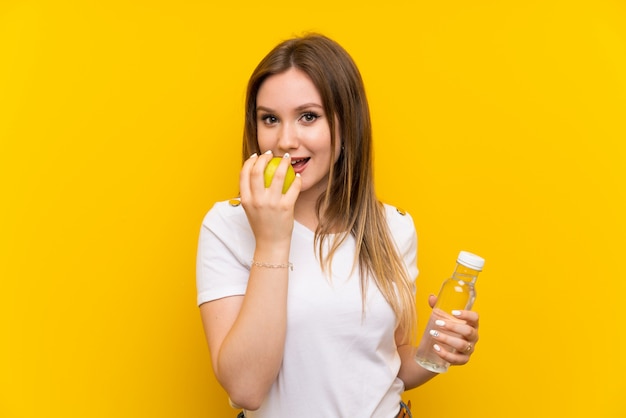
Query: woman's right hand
(269, 211)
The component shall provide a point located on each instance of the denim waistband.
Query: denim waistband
(405, 410)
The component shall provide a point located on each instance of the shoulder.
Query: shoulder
(397, 217)
(400, 224)
(403, 232)
(226, 214)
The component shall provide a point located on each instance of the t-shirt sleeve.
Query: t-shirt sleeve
(225, 248)
(403, 231)
(409, 252)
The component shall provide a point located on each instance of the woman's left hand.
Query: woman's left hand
(460, 334)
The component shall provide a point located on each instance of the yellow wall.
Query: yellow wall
(500, 126)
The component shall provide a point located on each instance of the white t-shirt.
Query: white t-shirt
(339, 361)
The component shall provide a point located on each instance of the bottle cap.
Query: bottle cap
(471, 260)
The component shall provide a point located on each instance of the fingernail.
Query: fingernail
(456, 313)
(286, 155)
(440, 323)
(254, 155)
(436, 347)
(269, 151)
(434, 333)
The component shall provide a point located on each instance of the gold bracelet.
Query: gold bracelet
(272, 266)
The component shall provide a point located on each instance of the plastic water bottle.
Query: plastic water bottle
(457, 293)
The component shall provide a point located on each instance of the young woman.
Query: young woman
(307, 297)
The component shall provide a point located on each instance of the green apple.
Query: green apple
(271, 168)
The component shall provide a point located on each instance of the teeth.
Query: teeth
(297, 161)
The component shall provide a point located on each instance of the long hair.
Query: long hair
(349, 203)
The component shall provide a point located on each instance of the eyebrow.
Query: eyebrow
(299, 108)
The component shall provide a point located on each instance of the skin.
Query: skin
(246, 336)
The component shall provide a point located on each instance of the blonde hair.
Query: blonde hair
(349, 203)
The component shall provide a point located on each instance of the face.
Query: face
(291, 119)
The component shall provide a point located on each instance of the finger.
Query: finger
(251, 178)
(432, 300)
(456, 334)
(256, 174)
(451, 356)
(453, 342)
(280, 174)
(259, 167)
(244, 175)
(294, 190)
(469, 317)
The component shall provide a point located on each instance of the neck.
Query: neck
(304, 211)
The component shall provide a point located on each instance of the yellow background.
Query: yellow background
(499, 125)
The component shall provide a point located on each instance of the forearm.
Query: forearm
(411, 373)
(251, 354)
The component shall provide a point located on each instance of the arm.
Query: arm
(411, 373)
(246, 334)
(246, 337)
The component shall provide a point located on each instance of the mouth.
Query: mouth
(299, 164)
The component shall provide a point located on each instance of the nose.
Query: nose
(288, 137)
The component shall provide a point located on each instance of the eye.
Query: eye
(268, 119)
(309, 117)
